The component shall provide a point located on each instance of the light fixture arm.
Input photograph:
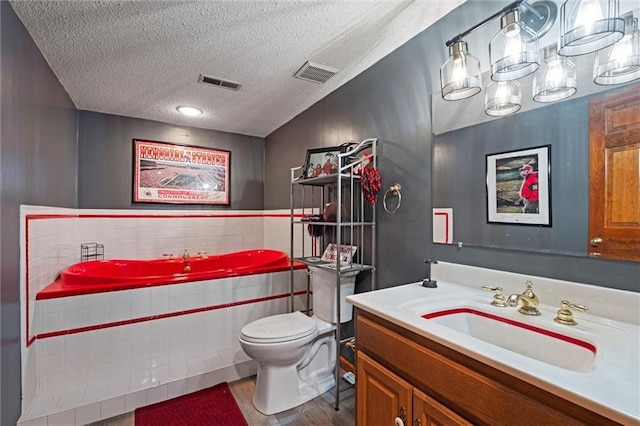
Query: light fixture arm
(504, 10)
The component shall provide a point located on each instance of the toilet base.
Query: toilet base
(280, 389)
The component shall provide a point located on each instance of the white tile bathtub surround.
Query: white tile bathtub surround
(106, 364)
(54, 243)
(605, 302)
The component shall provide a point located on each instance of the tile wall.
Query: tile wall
(91, 357)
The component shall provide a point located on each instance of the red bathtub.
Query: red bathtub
(98, 276)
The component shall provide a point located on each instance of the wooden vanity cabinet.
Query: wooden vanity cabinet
(439, 386)
(384, 397)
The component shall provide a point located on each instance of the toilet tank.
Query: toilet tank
(323, 286)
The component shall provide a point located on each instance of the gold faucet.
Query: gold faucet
(527, 301)
(498, 298)
(565, 316)
(185, 261)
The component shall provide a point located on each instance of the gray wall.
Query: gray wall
(106, 154)
(38, 157)
(392, 101)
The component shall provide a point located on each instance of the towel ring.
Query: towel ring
(395, 190)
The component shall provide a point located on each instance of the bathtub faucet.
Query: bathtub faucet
(185, 261)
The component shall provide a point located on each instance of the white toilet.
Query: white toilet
(296, 354)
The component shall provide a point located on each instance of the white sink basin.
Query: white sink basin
(534, 342)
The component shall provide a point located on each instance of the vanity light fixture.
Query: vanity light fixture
(589, 25)
(460, 76)
(189, 111)
(503, 98)
(513, 50)
(557, 78)
(586, 26)
(620, 63)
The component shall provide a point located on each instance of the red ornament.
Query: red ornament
(371, 183)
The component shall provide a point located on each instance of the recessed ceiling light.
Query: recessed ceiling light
(190, 111)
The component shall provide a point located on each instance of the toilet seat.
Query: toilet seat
(279, 328)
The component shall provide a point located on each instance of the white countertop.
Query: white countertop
(611, 388)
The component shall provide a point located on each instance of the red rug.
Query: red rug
(212, 406)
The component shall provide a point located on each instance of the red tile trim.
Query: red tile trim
(549, 333)
(161, 316)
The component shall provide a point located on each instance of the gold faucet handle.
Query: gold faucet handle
(565, 316)
(498, 298)
(200, 253)
(169, 255)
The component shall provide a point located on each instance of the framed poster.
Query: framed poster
(178, 174)
(519, 187)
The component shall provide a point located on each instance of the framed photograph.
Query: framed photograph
(519, 187)
(178, 174)
(322, 161)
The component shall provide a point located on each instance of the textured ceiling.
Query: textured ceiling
(143, 58)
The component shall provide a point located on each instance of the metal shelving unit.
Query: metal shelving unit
(354, 225)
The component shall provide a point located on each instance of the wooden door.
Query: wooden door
(614, 175)
(429, 412)
(381, 396)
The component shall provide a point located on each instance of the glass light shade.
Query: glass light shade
(514, 50)
(460, 76)
(502, 98)
(589, 25)
(557, 78)
(620, 63)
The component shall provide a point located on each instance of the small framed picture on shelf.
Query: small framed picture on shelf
(322, 161)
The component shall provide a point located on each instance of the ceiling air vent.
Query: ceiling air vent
(315, 72)
(214, 81)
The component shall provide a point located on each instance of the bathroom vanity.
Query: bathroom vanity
(420, 362)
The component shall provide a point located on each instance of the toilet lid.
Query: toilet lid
(279, 328)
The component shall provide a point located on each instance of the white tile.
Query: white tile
(75, 303)
(140, 308)
(39, 421)
(120, 312)
(63, 418)
(159, 306)
(98, 315)
(121, 334)
(160, 292)
(75, 319)
(176, 388)
(88, 413)
(75, 342)
(157, 394)
(97, 300)
(118, 385)
(50, 306)
(135, 400)
(178, 369)
(75, 360)
(112, 407)
(98, 338)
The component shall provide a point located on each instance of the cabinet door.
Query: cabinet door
(381, 396)
(429, 412)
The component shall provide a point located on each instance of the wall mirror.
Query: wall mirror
(464, 136)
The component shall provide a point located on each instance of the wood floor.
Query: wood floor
(317, 412)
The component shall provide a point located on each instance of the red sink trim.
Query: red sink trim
(529, 327)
